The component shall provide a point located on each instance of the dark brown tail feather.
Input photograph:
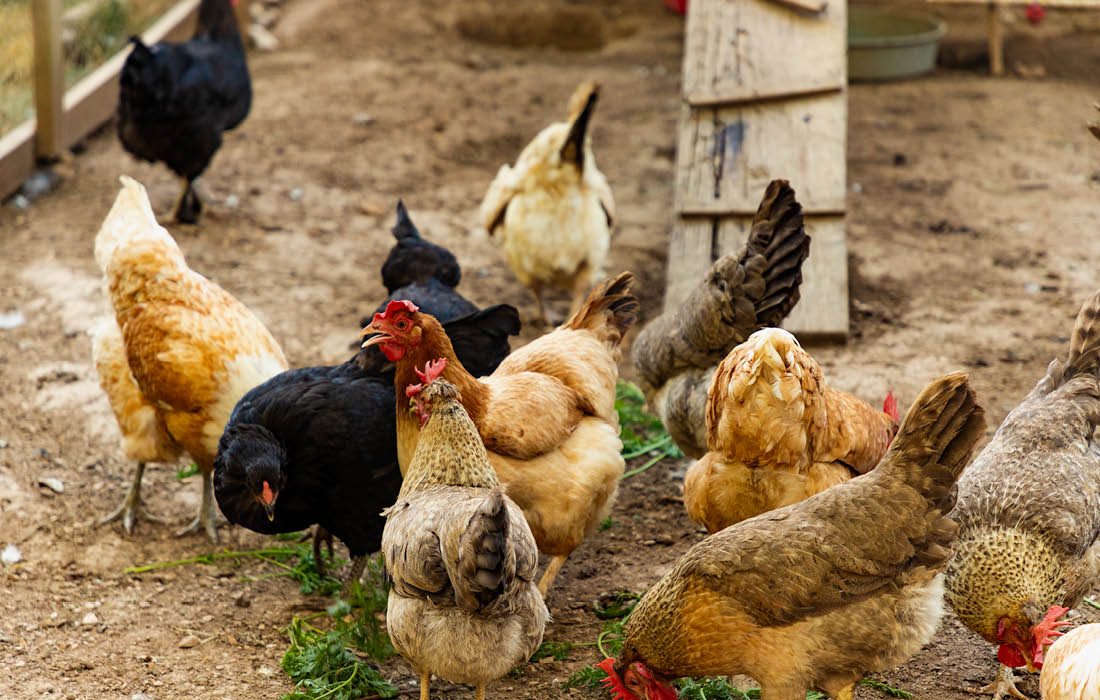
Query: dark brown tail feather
(609, 311)
(1084, 343)
(779, 236)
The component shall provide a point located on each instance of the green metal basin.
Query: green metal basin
(884, 44)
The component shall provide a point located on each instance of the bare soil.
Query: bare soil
(971, 228)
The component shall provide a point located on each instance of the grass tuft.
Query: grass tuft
(642, 433)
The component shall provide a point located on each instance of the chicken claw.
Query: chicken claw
(1004, 684)
(131, 507)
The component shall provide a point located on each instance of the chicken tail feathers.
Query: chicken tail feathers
(937, 438)
(1084, 344)
(486, 564)
(779, 236)
(609, 311)
(404, 229)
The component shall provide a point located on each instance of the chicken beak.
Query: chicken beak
(573, 148)
(269, 508)
(376, 339)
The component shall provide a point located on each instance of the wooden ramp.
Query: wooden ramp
(764, 90)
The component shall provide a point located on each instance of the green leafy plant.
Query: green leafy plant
(642, 433)
(886, 688)
(188, 471)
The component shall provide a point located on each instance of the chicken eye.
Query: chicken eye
(402, 325)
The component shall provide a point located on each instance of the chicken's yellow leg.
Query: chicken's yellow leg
(536, 289)
(1004, 684)
(425, 686)
(131, 506)
(479, 693)
(848, 693)
(550, 574)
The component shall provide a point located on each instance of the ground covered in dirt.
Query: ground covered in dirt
(971, 229)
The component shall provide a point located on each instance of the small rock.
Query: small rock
(232, 201)
(89, 619)
(363, 119)
(857, 187)
(243, 599)
(11, 555)
(12, 319)
(296, 194)
(20, 202)
(372, 208)
(1031, 287)
(189, 642)
(52, 484)
(141, 696)
(38, 184)
(265, 671)
(3, 444)
(262, 39)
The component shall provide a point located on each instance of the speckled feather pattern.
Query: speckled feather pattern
(676, 354)
(464, 604)
(777, 433)
(1029, 507)
(191, 349)
(821, 592)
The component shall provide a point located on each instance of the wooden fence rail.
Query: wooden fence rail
(64, 118)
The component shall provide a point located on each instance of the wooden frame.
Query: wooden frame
(64, 118)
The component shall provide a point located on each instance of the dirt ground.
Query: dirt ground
(971, 226)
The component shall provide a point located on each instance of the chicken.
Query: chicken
(463, 604)
(177, 353)
(176, 100)
(677, 353)
(312, 445)
(1095, 128)
(413, 259)
(1072, 667)
(547, 414)
(821, 592)
(1029, 512)
(317, 444)
(552, 213)
(778, 434)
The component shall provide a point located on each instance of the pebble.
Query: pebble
(20, 202)
(188, 642)
(89, 619)
(363, 119)
(243, 599)
(3, 444)
(265, 671)
(141, 696)
(11, 555)
(232, 201)
(12, 319)
(296, 194)
(262, 39)
(52, 484)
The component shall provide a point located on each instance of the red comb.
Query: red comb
(1047, 631)
(432, 370)
(890, 406)
(612, 682)
(397, 305)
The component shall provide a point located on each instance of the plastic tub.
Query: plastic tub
(884, 44)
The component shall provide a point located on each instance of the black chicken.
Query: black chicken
(175, 100)
(413, 259)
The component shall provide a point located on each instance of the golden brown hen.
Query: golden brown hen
(777, 433)
(676, 354)
(1029, 512)
(547, 414)
(177, 353)
(819, 593)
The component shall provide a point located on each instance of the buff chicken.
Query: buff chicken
(176, 353)
(552, 212)
(777, 433)
(1029, 513)
(678, 352)
(464, 604)
(547, 414)
(1072, 667)
(819, 593)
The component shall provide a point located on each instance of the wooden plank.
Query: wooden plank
(996, 41)
(741, 50)
(689, 257)
(49, 77)
(727, 155)
(16, 157)
(93, 100)
(822, 310)
(1081, 4)
(804, 5)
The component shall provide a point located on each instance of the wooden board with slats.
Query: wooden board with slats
(741, 50)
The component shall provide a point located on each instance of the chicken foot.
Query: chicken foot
(358, 564)
(188, 206)
(551, 573)
(1004, 684)
(207, 518)
(131, 507)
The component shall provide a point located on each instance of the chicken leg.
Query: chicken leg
(550, 574)
(131, 507)
(536, 289)
(425, 686)
(207, 517)
(1004, 684)
(358, 564)
(189, 205)
(479, 693)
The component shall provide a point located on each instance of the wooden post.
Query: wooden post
(996, 40)
(49, 78)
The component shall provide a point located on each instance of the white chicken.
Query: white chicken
(552, 213)
(1071, 670)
